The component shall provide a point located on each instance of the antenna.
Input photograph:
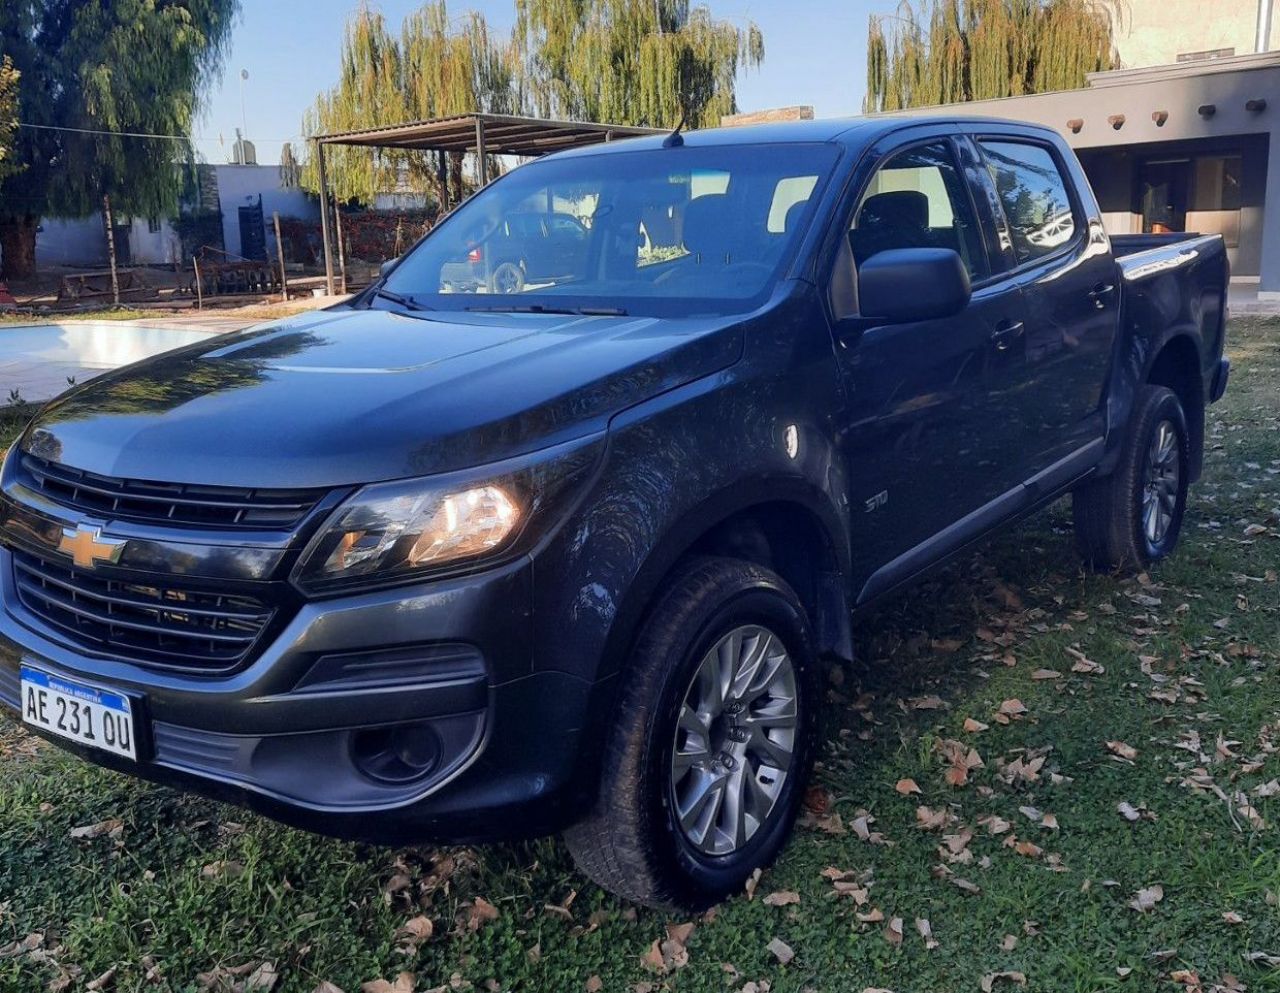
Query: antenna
(674, 139)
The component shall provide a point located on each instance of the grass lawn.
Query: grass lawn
(1082, 746)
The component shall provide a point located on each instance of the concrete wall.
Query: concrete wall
(1156, 32)
(240, 185)
(74, 241)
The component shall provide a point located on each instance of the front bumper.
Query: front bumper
(283, 736)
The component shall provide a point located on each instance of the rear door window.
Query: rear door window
(1034, 195)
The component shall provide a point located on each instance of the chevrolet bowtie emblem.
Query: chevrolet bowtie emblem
(88, 548)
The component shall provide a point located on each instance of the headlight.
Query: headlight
(390, 532)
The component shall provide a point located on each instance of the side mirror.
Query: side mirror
(901, 285)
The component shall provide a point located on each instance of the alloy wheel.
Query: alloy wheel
(734, 740)
(1161, 482)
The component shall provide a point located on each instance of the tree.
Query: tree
(91, 72)
(644, 62)
(8, 115)
(982, 49)
(620, 61)
(433, 68)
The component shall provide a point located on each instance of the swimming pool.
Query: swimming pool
(37, 360)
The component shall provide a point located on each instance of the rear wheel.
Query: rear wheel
(1132, 517)
(714, 739)
(508, 277)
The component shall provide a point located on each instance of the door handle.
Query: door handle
(1005, 335)
(1099, 294)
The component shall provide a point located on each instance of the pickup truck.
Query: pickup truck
(441, 565)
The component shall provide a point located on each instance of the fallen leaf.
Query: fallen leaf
(990, 979)
(781, 950)
(874, 916)
(781, 898)
(1122, 750)
(263, 979)
(1029, 849)
(1043, 674)
(416, 930)
(926, 932)
(907, 786)
(594, 984)
(930, 702)
(481, 912)
(973, 727)
(404, 983)
(1231, 917)
(1147, 898)
(1009, 942)
(222, 870)
(1127, 811)
(87, 831)
(965, 885)
(327, 987)
(893, 931)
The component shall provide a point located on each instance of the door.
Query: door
(922, 451)
(1165, 188)
(1058, 252)
(253, 236)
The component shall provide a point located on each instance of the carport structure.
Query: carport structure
(480, 134)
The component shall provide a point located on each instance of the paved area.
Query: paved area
(39, 361)
(1242, 298)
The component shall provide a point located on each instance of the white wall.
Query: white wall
(240, 185)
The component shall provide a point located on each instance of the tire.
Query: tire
(631, 842)
(507, 277)
(1111, 515)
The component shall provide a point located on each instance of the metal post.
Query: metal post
(342, 251)
(195, 264)
(324, 219)
(482, 168)
(284, 276)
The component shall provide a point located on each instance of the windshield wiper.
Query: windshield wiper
(403, 301)
(538, 308)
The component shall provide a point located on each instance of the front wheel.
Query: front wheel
(1132, 517)
(714, 739)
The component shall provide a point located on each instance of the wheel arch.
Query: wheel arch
(1177, 365)
(785, 527)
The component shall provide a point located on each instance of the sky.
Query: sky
(815, 53)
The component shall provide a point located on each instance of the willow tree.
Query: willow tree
(95, 75)
(8, 115)
(645, 62)
(434, 67)
(952, 51)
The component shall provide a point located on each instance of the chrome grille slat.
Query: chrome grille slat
(178, 627)
(167, 503)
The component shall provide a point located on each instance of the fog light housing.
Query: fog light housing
(398, 754)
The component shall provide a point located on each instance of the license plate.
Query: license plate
(85, 714)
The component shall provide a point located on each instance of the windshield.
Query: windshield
(662, 231)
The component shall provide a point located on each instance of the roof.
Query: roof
(504, 134)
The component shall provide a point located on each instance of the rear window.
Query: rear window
(1034, 194)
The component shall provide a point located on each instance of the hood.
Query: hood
(355, 396)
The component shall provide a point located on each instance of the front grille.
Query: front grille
(167, 503)
(159, 625)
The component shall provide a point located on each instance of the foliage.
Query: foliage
(951, 51)
(620, 61)
(645, 62)
(138, 66)
(174, 886)
(431, 69)
(8, 115)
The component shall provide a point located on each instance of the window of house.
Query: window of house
(1034, 195)
(918, 199)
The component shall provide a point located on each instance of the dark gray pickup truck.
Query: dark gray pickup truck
(565, 546)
